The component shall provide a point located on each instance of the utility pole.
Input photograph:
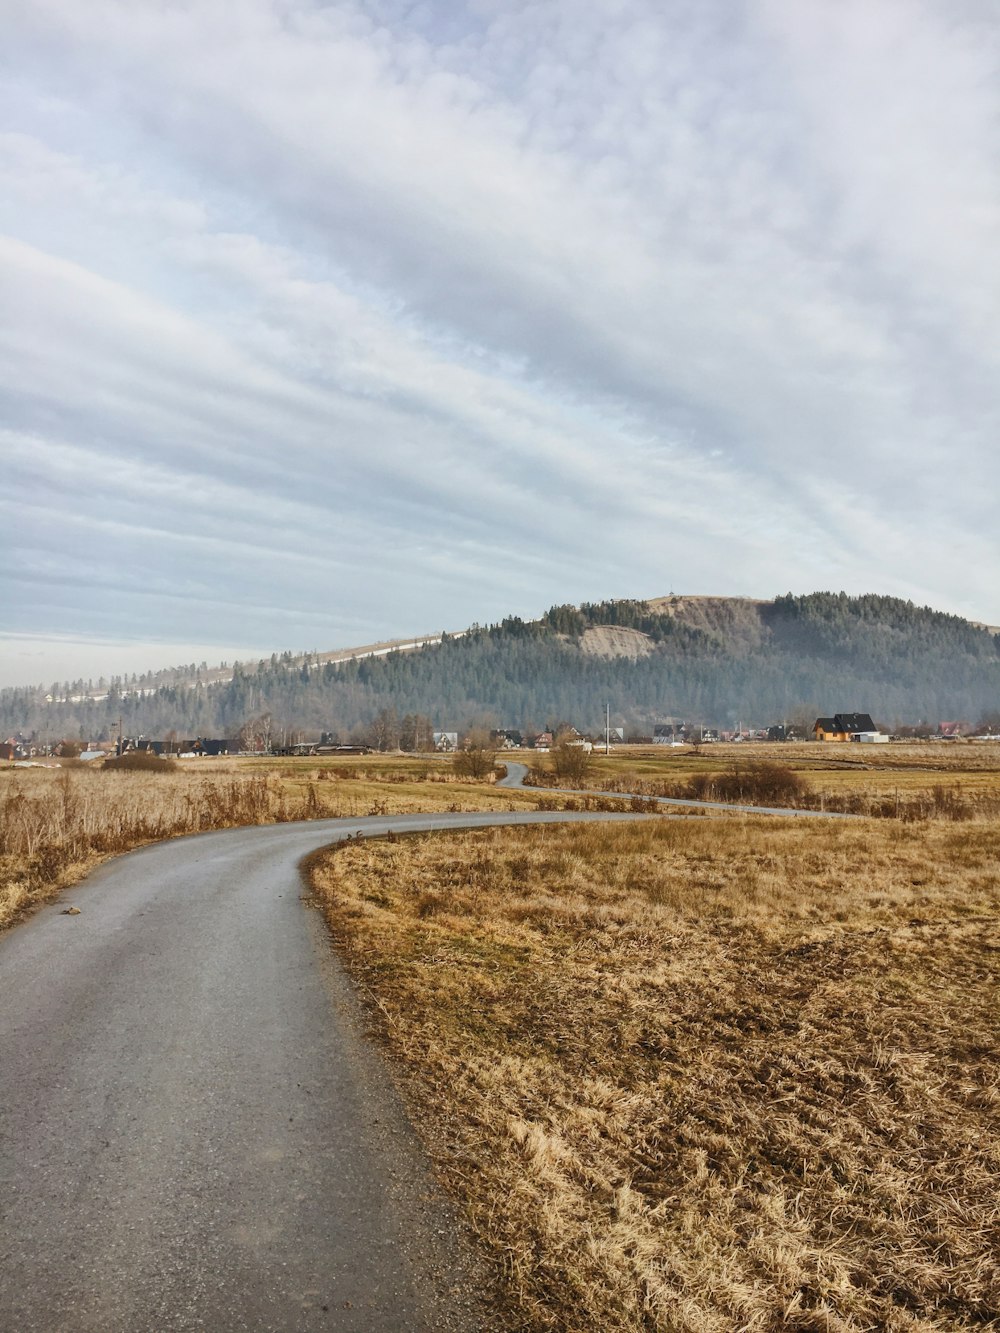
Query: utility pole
(607, 728)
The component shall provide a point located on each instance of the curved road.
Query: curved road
(194, 1133)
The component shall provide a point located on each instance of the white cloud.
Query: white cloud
(475, 309)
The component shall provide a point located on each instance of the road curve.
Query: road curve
(194, 1132)
(516, 774)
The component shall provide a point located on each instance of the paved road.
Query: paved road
(194, 1133)
(516, 773)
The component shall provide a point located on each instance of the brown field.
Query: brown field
(926, 756)
(923, 761)
(697, 1076)
(922, 780)
(57, 823)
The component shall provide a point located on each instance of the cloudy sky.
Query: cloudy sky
(324, 323)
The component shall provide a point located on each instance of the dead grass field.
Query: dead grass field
(918, 756)
(919, 781)
(57, 823)
(701, 1076)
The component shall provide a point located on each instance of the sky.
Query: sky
(328, 323)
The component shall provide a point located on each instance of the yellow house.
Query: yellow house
(842, 726)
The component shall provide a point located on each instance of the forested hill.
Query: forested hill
(714, 660)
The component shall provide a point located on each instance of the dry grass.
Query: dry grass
(56, 823)
(916, 756)
(909, 782)
(726, 1075)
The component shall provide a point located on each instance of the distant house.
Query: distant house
(844, 727)
(446, 741)
(507, 739)
(8, 750)
(952, 730)
(543, 741)
(668, 733)
(207, 745)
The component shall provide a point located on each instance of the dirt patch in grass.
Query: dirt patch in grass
(701, 1076)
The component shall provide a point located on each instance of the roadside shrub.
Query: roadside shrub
(570, 761)
(763, 783)
(475, 762)
(700, 788)
(139, 761)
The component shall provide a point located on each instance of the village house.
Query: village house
(507, 739)
(847, 727)
(668, 733)
(952, 731)
(209, 745)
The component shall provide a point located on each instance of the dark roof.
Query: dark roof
(215, 745)
(854, 722)
(845, 722)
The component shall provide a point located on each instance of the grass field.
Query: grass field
(697, 1076)
(921, 761)
(57, 823)
(910, 781)
(702, 1075)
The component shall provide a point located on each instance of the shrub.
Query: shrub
(570, 761)
(763, 783)
(139, 761)
(702, 787)
(477, 761)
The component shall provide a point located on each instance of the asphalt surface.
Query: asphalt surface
(195, 1133)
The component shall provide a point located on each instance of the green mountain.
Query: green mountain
(706, 659)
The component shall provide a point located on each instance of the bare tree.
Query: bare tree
(255, 735)
(477, 758)
(416, 732)
(384, 730)
(570, 759)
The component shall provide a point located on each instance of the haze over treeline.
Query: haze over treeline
(710, 660)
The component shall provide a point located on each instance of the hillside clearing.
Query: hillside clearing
(615, 641)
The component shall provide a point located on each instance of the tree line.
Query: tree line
(794, 658)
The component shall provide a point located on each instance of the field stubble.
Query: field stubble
(701, 1076)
